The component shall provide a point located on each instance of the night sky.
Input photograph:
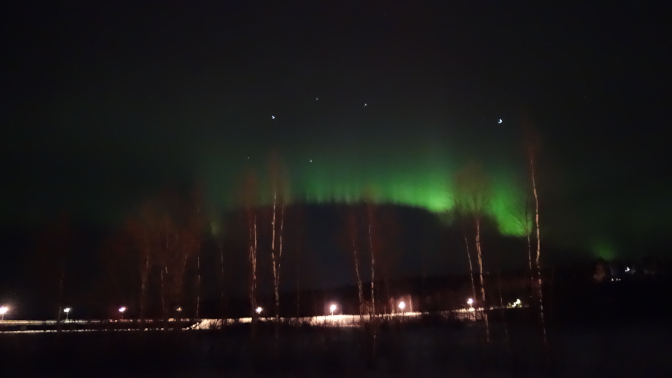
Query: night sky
(103, 106)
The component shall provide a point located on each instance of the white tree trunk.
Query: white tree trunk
(480, 265)
(471, 268)
(279, 262)
(538, 264)
(373, 267)
(359, 278)
(273, 235)
(529, 252)
(528, 231)
(253, 266)
(275, 259)
(198, 286)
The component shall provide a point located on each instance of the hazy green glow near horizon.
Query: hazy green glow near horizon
(424, 182)
(604, 248)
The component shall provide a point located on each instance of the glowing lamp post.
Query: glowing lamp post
(402, 306)
(122, 309)
(470, 302)
(67, 313)
(3, 311)
(258, 310)
(332, 308)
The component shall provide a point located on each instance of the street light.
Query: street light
(122, 309)
(3, 311)
(259, 310)
(402, 306)
(332, 308)
(67, 312)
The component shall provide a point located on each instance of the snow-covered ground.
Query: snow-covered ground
(115, 325)
(325, 320)
(338, 320)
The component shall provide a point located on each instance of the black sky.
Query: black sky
(104, 104)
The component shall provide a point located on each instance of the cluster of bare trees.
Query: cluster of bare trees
(277, 224)
(472, 196)
(358, 233)
(165, 238)
(370, 240)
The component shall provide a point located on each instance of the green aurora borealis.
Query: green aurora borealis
(401, 178)
(101, 114)
(106, 111)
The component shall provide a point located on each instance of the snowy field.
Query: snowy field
(408, 344)
(118, 325)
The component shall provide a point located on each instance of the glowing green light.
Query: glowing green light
(603, 248)
(420, 179)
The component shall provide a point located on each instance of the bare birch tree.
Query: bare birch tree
(352, 238)
(249, 199)
(370, 209)
(472, 194)
(471, 267)
(166, 235)
(521, 210)
(279, 193)
(533, 177)
(252, 255)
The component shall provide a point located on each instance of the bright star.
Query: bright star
(311, 160)
(365, 104)
(272, 117)
(500, 121)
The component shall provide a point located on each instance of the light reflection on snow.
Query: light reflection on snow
(116, 325)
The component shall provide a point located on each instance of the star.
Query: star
(272, 117)
(365, 104)
(317, 98)
(500, 121)
(311, 160)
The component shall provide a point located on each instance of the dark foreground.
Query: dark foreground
(428, 347)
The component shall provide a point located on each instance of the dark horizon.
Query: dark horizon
(316, 253)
